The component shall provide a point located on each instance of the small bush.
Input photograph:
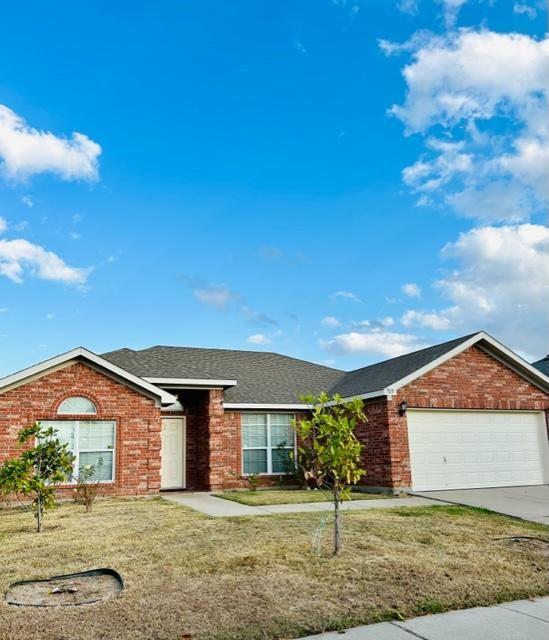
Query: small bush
(87, 487)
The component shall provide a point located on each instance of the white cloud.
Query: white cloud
(258, 338)
(21, 258)
(438, 321)
(427, 176)
(215, 295)
(3, 224)
(408, 6)
(451, 10)
(412, 290)
(379, 323)
(527, 163)
(25, 151)
(525, 9)
(27, 201)
(500, 283)
(257, 317)
(465, 84)
(498, 201)
(300, 47)
(330, 322)
(447, 84)
(388, 344)
(347, 295)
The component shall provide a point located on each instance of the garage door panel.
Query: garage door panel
(468, 449)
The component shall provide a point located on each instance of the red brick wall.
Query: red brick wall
(137, 466)
(471, 380)
(226, 461)
(374, 435)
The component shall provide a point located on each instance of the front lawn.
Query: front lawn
(289, 496)
(257, 578)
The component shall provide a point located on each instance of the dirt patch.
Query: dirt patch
(527, 543)
(66, 591)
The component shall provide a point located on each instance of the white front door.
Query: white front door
(474, 449)
(172, 453)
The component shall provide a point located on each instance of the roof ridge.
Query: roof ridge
(249, 351)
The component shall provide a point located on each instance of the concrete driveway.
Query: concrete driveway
(520, 620)
(528, 503)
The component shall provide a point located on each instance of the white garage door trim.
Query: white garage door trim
(467, 449)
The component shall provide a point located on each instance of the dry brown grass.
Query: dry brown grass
(257, 578)
(290, 496)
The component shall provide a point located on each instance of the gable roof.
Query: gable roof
(382, 375)
(257, 377)
(262, 379)
(391, 375)
(80, 354)
(542, 365)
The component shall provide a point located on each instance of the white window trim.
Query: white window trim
(60, 411)
(76, 453)
(268, 448)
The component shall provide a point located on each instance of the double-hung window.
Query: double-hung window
(268, 439)
(91, 442)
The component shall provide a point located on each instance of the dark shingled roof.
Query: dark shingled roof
(270, 378)
(542, 365)
(262, 377)
(384, 374)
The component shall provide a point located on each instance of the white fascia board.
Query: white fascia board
(436, 363)
(511, 357)
(264, 406)
(365, 396)
(205, 383)
(302, 406)
(81, 352)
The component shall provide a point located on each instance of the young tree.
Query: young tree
(38, 470)
(329, 451)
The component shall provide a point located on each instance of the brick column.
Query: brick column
(219, 462)
(401, 476)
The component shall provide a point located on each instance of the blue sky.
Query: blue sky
(338, 180)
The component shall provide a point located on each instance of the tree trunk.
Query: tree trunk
(337, 523)
(39, 514)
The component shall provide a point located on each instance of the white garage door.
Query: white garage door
(470, 449)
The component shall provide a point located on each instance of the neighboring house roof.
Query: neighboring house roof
(97, 362)
(259, 377)
(268, 379)
(543, 365)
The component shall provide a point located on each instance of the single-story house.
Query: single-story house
(465, 413)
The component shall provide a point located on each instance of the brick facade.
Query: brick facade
(137, 448)
(471, 380)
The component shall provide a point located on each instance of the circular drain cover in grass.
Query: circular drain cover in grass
(70, 590)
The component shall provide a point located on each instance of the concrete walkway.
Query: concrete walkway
(220, 508)
(519, 620)
(528, 503)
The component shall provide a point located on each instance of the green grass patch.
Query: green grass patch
(290, 496)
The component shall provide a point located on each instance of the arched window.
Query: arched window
(77, 405)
